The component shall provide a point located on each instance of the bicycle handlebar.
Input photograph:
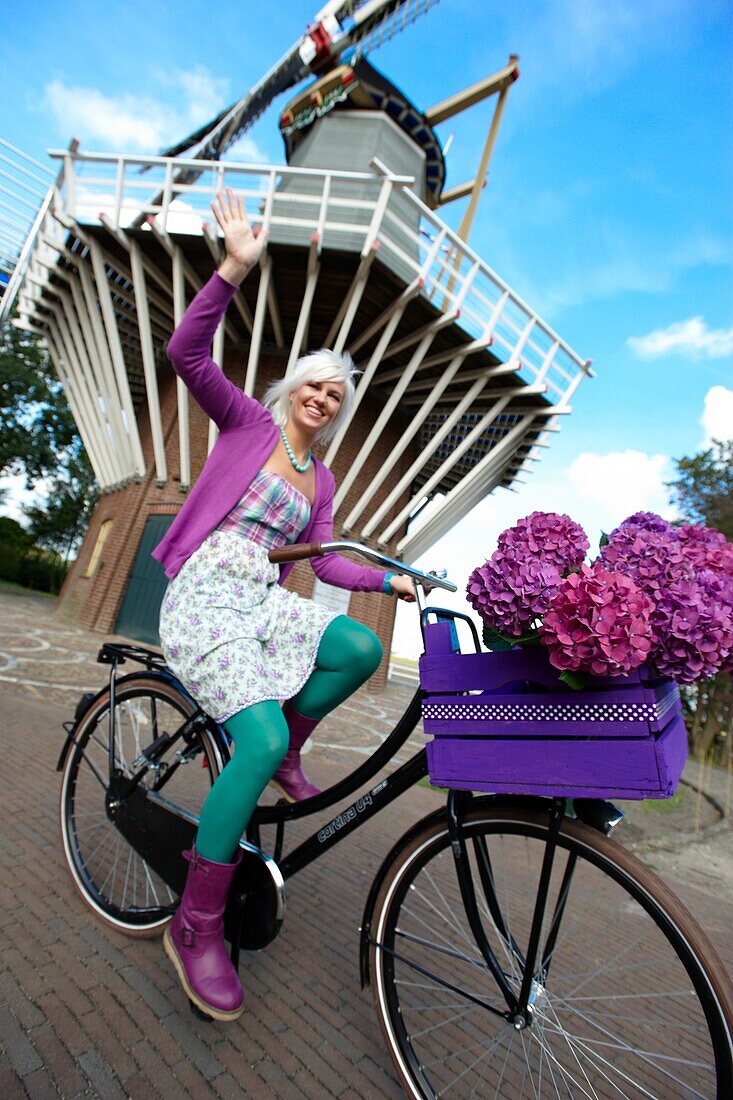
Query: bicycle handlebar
(299, 551)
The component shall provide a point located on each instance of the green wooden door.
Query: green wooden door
(138, 617)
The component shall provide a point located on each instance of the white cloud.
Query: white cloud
(621, 482)
(613, 264)
(204, 94)
(127, 122)
(690, 338)
(132, 123)
(717, 417)
(246, 150)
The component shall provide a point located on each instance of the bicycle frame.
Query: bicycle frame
(363, 809)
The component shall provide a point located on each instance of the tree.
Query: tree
(40, 439)
(60, 523)
(38, 428)
(703, 493)
(703, 489)
(13, 534)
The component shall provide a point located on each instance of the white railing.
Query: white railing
(293, 203)
(26, 188)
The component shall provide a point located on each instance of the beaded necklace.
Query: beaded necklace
(301, 467)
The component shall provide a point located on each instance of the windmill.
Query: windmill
(340, 26)
(462, 382)
(333, 51)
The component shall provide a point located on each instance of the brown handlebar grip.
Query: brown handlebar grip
(296, 552)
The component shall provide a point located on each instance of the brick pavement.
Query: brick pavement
(87, 1012)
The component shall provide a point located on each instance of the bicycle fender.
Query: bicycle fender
(85, 702)
(90, 698)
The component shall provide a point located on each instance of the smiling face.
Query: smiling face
(314, 405)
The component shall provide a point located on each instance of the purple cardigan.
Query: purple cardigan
(247, 438)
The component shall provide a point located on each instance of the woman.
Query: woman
(238, 641)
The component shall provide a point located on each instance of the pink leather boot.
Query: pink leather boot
(289, 778)
(194, 940)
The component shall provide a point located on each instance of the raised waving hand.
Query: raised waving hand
(242, 243)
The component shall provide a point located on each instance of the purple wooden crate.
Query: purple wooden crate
(505, 722)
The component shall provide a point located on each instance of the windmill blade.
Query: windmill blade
(373, 33)
(340, 25)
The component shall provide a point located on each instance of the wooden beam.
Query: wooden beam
(482, 89)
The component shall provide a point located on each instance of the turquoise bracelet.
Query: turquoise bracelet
(386, 586)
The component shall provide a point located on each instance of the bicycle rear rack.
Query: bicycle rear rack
(116, 653)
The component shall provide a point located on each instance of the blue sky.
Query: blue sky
(608, 207)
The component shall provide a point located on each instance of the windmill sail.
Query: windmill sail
(341, 25)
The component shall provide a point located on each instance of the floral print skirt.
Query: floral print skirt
(231, 634)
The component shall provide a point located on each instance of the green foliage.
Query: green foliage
(13, 533)
(60, 524)
(708, 710)
(38, 428)
(498, 643)
(575, 680)
(703, 488)
(32, 567)
(494, 641)
(39, 439)
(703, 493)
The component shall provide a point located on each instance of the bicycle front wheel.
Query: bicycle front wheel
(111, 877)
(629, 998)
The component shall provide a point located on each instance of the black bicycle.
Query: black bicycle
(513, 947)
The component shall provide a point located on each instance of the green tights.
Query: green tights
(347, 656)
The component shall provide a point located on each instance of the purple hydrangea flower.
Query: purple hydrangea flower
(657, 594)
(691, 617)
(651, 558)
(647, 521)
(598, 622)
(555, 538)
(693, 629)
(512, 595)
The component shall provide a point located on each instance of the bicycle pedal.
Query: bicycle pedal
(199, 1014)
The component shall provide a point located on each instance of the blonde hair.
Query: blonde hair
(318, 366)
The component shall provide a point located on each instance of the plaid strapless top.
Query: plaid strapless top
(272, 512)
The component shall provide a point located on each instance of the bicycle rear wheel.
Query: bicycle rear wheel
(112, 879)
(634, 1000)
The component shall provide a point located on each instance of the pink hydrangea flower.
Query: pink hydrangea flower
(598, 622)
(706, 548)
